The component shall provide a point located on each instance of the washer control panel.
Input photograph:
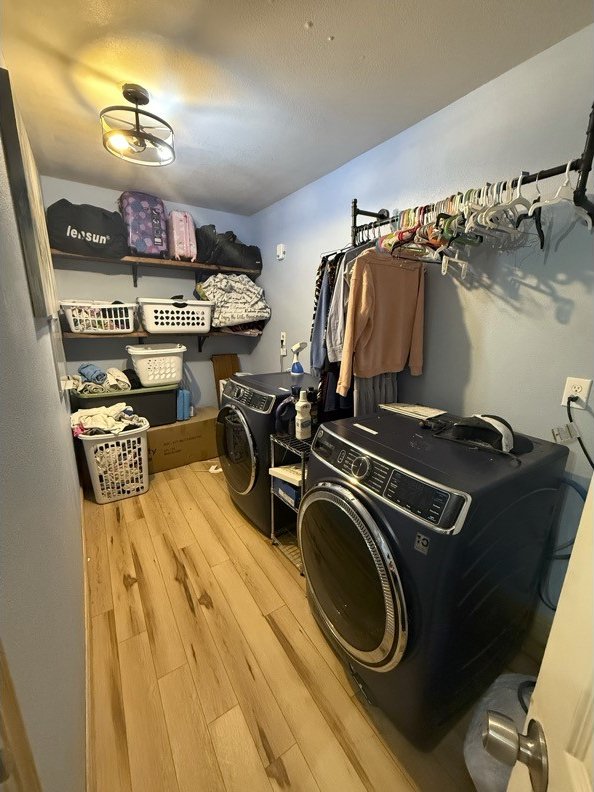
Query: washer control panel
(248, 397)
(423, 499)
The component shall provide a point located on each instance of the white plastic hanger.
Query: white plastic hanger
(447, 260)
(564, 194)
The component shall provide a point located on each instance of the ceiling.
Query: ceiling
(264, 95)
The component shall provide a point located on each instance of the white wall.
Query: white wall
(41, 557)
(504, 341)
(110, 282)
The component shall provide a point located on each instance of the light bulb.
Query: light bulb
(118, 142)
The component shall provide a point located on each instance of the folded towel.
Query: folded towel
(92, 373)
(117, 380)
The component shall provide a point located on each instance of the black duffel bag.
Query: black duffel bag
(226, 250)
(86, 230)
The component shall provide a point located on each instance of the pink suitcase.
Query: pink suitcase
(182, 235)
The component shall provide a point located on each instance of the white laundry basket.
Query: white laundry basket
(96, 316)
(158, 364)
(118, 464)
(175, 316)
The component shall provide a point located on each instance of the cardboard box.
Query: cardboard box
(288, 493)
(177, 444)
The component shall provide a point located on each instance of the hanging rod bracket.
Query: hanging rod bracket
(579, 196)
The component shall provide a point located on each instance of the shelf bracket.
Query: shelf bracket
(201, 340)
(135, 275)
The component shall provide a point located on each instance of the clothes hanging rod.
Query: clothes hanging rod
(583, 165)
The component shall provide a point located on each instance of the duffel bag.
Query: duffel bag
(86, 230)
(226, 250)
(239, 256)
(206, 241)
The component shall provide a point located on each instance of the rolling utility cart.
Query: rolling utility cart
(288, 462)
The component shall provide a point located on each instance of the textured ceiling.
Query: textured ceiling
(262, 101)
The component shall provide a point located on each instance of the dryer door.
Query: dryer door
(352, 576)
(236, 449)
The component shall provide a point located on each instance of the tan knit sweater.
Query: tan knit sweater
(384, 324)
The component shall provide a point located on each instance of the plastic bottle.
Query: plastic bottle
(303, 417)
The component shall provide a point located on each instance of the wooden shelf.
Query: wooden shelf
(144, 334)
(82, 336)
(143, 261)
(200, 337)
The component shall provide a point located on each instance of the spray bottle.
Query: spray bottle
(303, 417)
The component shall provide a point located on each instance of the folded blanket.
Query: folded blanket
(117, 380)
(237, 299)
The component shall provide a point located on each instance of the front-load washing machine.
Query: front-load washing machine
(244, 424)
(422, 559)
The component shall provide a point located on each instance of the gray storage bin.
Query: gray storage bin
(157, 405)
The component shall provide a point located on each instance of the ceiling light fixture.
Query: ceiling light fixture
(136, 135)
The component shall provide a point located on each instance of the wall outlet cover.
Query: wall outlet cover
(574, 386)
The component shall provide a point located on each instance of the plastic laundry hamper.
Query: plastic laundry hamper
(159, 364)
(118, 464)
(95, 316)
(176, 315)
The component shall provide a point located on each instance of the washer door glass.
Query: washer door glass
(352, 576)
(236, 450)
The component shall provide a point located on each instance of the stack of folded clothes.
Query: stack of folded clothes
(92, 379)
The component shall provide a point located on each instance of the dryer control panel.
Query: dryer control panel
(423, 499)
(248, 397)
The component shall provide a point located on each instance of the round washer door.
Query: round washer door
(352, 576)
(236, 449)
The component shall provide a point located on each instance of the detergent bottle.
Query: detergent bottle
(303, 417)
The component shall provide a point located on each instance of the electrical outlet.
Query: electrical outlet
(574, 386)
(283, 344)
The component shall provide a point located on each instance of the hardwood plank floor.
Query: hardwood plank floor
(127, 606)
(111, 767)
(166, 645)
(237, 754)
(151, 763)
(212, 683)
(96, 562)
(208, 670)
(193, 753)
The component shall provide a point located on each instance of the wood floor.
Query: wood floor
(207, 669)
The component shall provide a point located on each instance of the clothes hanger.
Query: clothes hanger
(447, 261)
(564, 195)
(536, 214)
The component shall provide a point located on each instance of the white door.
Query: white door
(562, 699)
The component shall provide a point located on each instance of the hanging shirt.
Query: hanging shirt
(318, 286)
(384, 324)
(339, 303)
(318, 335)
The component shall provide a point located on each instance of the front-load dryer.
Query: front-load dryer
(422, 559)
(244, 424)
